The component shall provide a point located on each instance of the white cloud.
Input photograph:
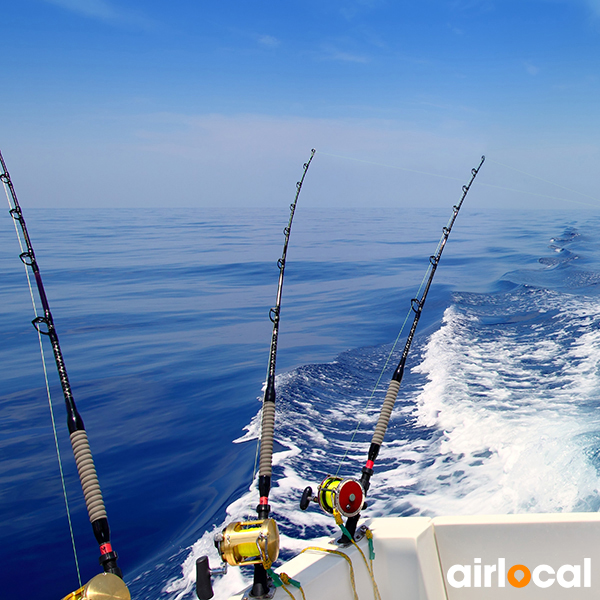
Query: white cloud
(531, 68)
(90, 8)
(358, 7)
(103, 11)
(333, 53)
(594, 5)
(469, 5)
(269, 41)
(255, 159)
(205, 160)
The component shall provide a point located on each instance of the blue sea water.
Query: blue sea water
(163, 321)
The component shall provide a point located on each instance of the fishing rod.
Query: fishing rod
(346, 496)
(77, 433)
(257, 542)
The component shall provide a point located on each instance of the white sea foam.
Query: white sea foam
(497, 415)
(510, 415)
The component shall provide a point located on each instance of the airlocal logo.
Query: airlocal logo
(519, 576)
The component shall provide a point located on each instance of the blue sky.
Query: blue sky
(112, 102)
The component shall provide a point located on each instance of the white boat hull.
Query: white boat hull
(545, 556)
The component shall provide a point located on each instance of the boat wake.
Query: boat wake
(497, 413)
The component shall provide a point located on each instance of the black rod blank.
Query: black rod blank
(260, 585)
(417, 305)
(78, 435)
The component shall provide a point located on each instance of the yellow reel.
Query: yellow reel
(249, 543)
(104, 586)
(344, 495)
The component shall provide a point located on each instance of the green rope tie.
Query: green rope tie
(371, 549)
(369, 538)
(345, 531)
(277, 579)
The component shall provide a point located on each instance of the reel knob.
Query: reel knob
(204, 589)
(307, 497)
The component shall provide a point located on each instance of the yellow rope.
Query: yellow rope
(345, 557)
(288, 592)
(376, 593)
(285, 581)
(369, 565)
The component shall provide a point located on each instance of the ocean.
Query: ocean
(162, 316)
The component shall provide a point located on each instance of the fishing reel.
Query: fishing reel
(241, 543)
(249, 543)
(345, 496)
(105, 586)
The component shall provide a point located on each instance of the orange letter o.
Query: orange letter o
(514, 581)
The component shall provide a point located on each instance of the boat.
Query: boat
(495, 556)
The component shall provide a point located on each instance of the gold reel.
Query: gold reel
(344, 495)
(249, 543)
(104, 586)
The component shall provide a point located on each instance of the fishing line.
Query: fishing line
(545, 181)
(500, 187)
(377, 164)
(390, 354)
(383, 369)
(257, 445)
(387, 407)
(77, 433)
(60, 467)
(267, 429)
(58, 456)
(481, 183)
(256, 542)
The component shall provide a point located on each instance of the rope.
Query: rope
(60, 468)
(256, 451)
(283, 580)
(344, 556)
(369, 565)
(58, 456)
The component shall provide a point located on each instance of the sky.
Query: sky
(189, 103)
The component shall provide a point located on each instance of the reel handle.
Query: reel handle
(204, 589)
(307, 498)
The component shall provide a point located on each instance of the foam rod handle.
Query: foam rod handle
(88, 476)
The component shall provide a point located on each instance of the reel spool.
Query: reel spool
(346, 496)
(249, 543)
(104, 586)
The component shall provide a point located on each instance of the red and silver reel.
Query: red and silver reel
(345, 496)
